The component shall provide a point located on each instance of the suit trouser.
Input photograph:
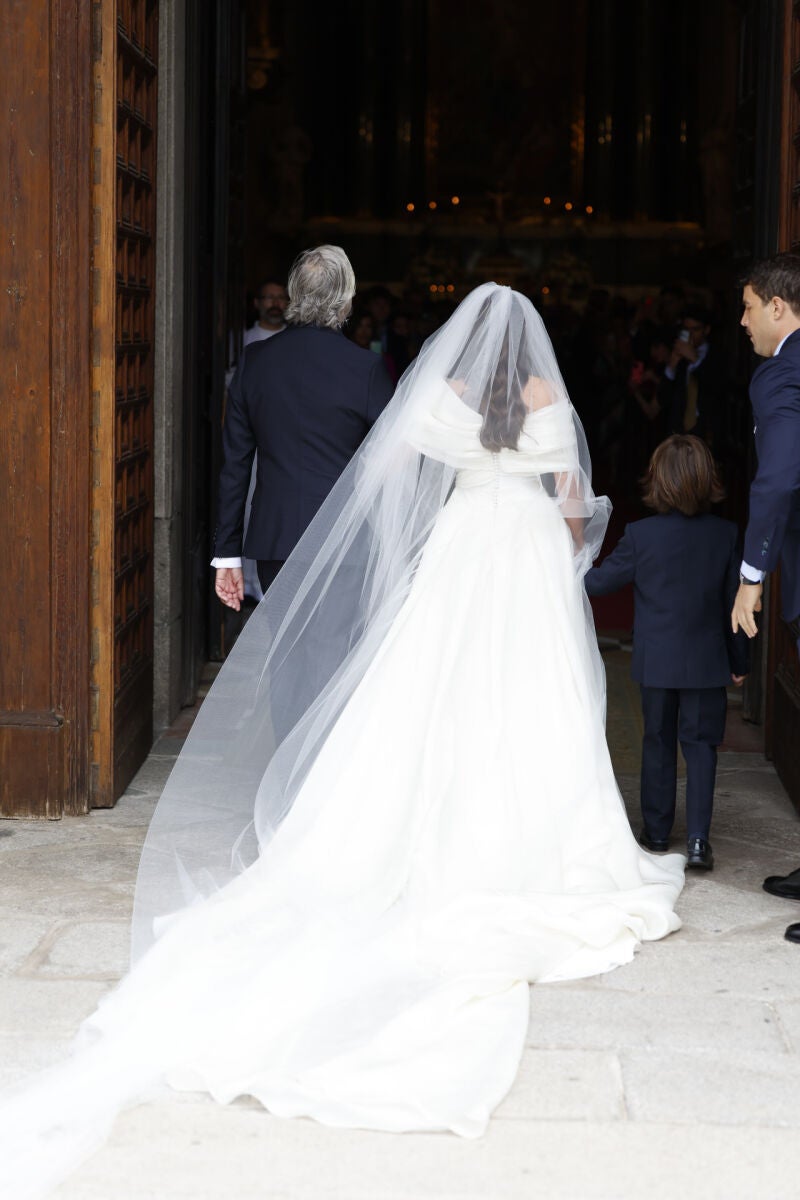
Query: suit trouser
(321, 649)
(267, 570)
(696, 718)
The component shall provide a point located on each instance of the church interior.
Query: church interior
(617, 161)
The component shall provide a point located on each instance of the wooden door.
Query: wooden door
(45, 278)
(124, 200)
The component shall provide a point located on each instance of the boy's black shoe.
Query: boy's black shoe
(793, 933)
(654, 845)
(698, 854)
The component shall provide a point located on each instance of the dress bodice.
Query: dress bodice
(492, 476)
(445, 428)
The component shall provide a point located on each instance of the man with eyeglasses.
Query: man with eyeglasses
(270, 303)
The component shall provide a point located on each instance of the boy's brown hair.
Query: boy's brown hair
(682, 477)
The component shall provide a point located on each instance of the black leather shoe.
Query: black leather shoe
(793, 933)
(653, 844)
(698, 854)
(786, 886)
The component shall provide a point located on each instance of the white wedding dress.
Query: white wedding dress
(459, 836)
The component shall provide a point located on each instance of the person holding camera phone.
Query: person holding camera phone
(694, 381)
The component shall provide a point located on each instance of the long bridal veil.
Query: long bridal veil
(310, 641)
(273, 708)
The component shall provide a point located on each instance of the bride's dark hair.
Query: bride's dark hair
(502, 406)
(498, 396)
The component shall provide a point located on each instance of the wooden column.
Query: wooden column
(123, 201)
(103, 372)
(45, 285)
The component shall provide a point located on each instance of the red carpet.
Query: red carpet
(613, 615)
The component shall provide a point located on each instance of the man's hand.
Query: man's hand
(747, 602)
(738, 680)
(229, 586)
(683, 349)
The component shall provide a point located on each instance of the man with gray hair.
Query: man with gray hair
(303, 402)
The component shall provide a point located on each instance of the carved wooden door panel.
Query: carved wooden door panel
(126, 39)
(45, 334)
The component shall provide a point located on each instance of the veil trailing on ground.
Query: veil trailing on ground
(311, 640)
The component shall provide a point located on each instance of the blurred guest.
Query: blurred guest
(695, 378)
(379, 303)
(399, 352)
(642, 328)
(646, 421)
(608, 383)
(581, 363)
(671, 303)
(270, 305)
(362, 330)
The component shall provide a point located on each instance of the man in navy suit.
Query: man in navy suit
(771, 300)
(303, 402)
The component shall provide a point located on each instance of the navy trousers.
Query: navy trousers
(696, 718)
(267, 570)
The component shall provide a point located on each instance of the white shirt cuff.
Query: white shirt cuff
(669, 372)
(752, 573)
(227, 562)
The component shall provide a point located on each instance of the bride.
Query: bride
(396, 809)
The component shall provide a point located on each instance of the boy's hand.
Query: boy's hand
(738, 680)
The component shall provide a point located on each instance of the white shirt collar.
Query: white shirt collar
(702, 351)
(779, 346)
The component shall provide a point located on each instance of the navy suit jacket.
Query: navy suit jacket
(304, 399)
(773, 527)
(685, 573)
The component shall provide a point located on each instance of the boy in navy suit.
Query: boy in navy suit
(684, 567)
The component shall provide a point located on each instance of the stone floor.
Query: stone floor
(676, 1076)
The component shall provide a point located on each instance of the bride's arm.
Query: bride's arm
(538, 394)
(567, 486)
